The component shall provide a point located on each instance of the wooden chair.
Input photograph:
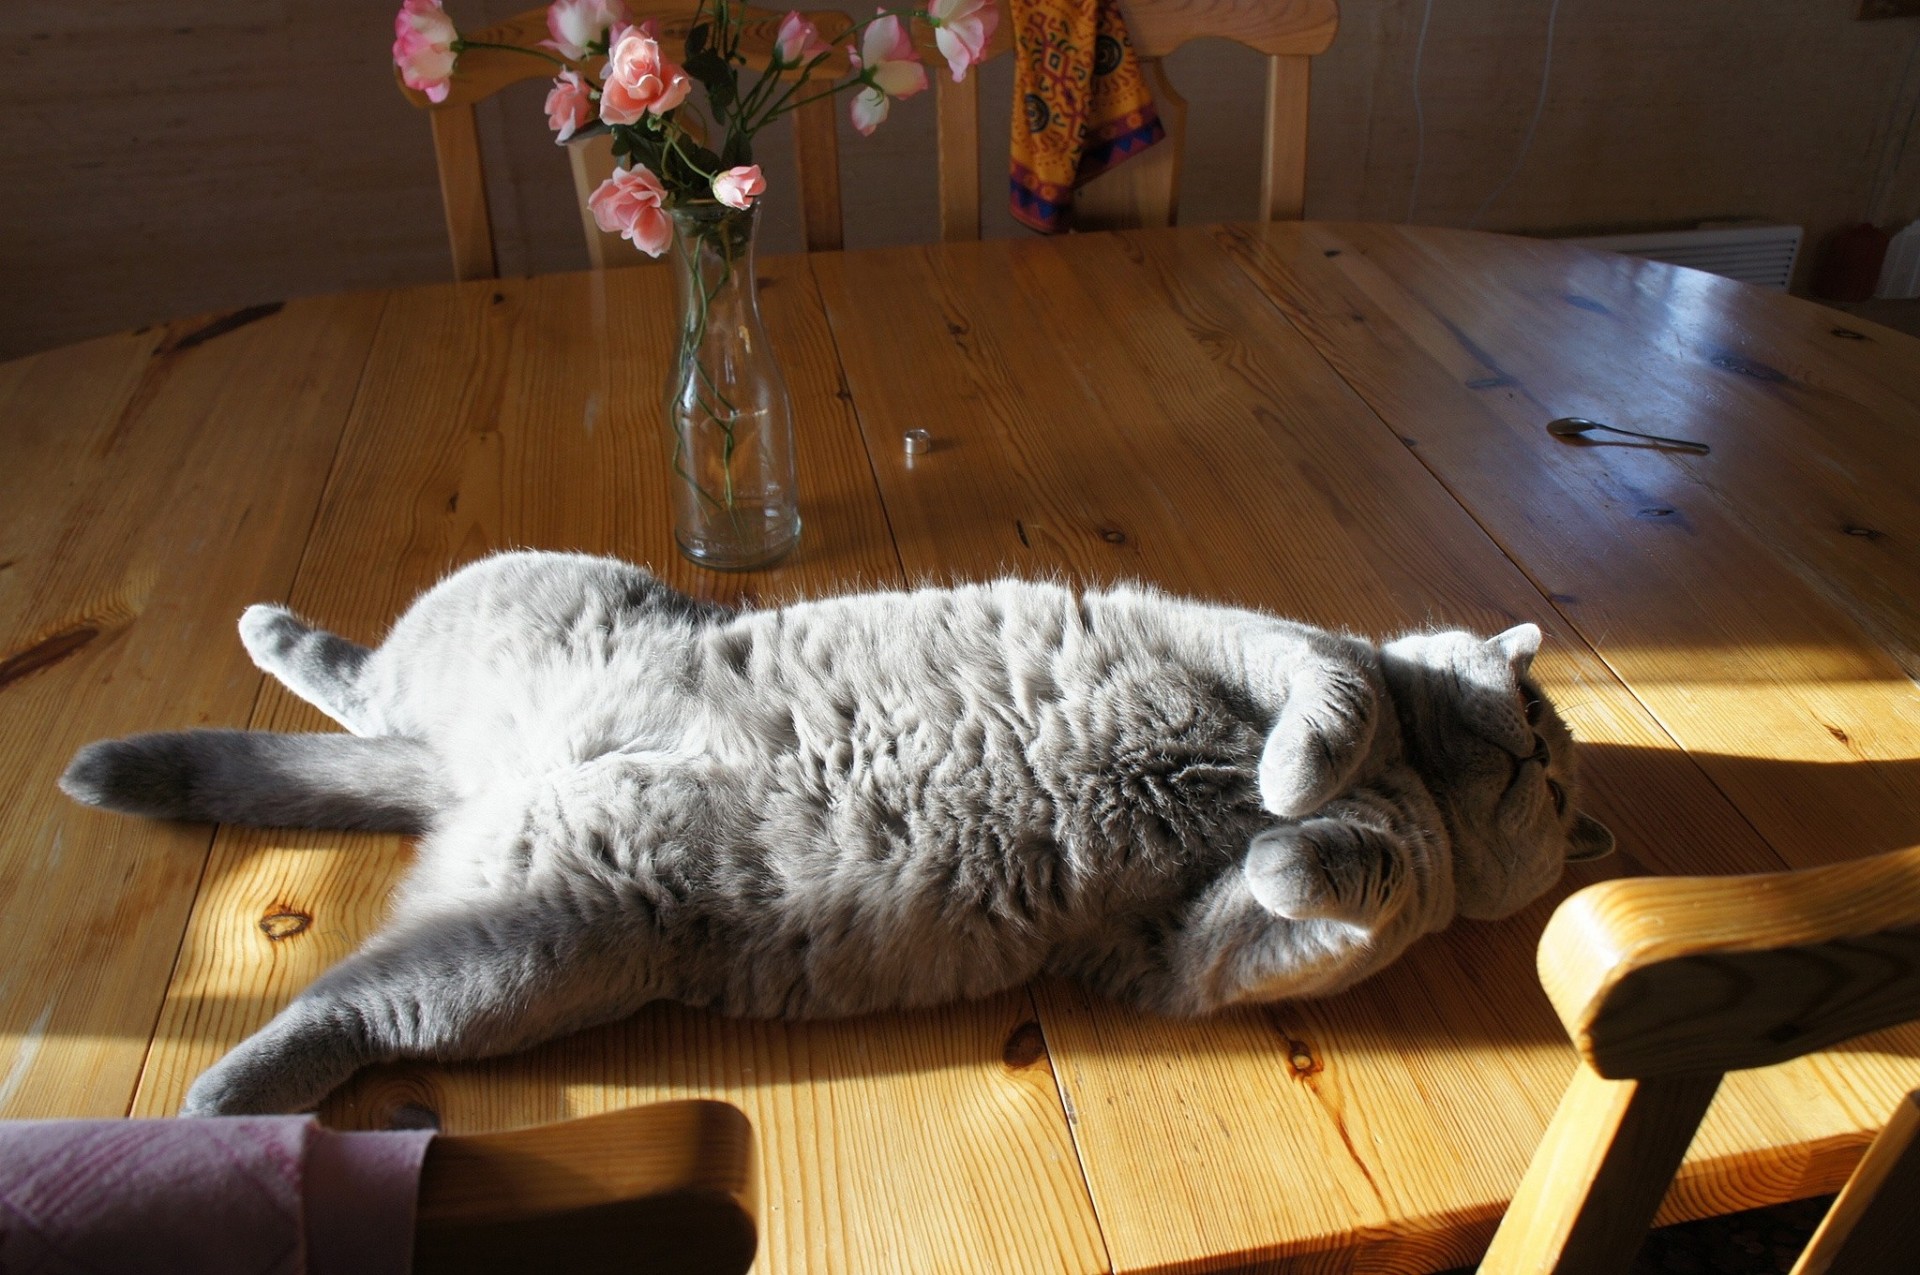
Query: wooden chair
(1666, 984)
(1145, 191)
(484, 72)
(665, 1188)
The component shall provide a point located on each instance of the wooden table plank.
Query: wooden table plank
(1129, 407)
(1787, 698)
(150, 485)
(524, 414)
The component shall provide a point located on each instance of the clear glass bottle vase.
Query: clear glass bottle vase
(729, 417)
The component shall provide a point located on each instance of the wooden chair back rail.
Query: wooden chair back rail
(1666, 984)
(1144, 191)
(663, 1188)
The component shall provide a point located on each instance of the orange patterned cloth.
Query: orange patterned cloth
(1080, 103)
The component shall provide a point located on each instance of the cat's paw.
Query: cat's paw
(270, 634)
(233, 1087)
(1297, 777)
(1286, 876)
(1320, 739)
(289, 1065)
(1322, 869)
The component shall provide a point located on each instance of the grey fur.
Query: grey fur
(861, 803)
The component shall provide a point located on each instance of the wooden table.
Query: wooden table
(1344, 423)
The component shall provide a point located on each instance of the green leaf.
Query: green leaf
(714, 75)
(697, 40)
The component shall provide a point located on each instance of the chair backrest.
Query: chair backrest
(1145, 191)
(1666, 984)
(485, 71)
(665, 1188)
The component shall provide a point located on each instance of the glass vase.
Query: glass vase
(729, 417)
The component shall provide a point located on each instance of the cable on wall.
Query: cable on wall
(1526, 142)
(1419, 115)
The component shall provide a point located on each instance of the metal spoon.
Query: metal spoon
(1575, 426)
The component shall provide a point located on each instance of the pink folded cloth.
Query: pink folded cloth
(271, 1195)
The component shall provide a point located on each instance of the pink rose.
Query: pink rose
(891, 69)
(739, 187)
(798, 41)
(423, 37)
(639, 80)
(961, 30)
(569, 105)
(574, 24)
(631, 203)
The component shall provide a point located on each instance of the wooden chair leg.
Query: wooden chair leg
(1874, 1225)
(463, 192)
(1599, 1175)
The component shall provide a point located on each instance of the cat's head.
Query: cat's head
(1499, 761)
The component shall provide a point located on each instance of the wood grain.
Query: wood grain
(153, 484)
(522, 414)
(1201, 411)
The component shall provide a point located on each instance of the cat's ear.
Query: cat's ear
(1517, 646)
(1588, 839)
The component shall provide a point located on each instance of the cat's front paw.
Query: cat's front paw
(1286, 876)
(1322, 869)
(1297, 778)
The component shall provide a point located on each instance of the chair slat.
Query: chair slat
(463, 192)
(1144, 190)
(958, 106)
(816, 154)
(1283, 168)
(591, 159)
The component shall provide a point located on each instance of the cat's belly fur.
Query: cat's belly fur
(838, 820)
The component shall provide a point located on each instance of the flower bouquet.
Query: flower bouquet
(686, 181)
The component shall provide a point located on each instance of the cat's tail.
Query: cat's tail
(384, 783)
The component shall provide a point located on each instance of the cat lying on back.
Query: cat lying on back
(860, 803)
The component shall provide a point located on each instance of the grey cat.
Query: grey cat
(860, 803)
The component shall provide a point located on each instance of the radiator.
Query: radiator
(1752, 254)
